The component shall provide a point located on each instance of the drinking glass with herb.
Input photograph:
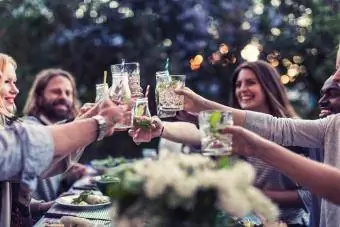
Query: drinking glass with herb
(213, 139)
(168, 100)
(120, 92)
(161, 113)
(142, 119)
(102, 91)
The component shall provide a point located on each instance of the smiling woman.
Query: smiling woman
(257, 87)
(8, 91)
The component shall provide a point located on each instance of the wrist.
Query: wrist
(161, 132)
(101, 127)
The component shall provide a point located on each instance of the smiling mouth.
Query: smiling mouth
(325, 112)
(246, 98)
(61, 106)
(10, 100)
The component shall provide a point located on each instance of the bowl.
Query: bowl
(106, 184)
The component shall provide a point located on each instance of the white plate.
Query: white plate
(67, 201)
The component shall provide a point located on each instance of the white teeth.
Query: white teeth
(246, 98)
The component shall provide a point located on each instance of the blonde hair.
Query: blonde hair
(5, 60)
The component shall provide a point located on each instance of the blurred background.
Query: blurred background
(298, 37)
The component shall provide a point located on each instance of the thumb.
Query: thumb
(231, 129)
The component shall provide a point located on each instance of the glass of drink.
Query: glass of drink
(121, 94)
(214, 141)
(168, 100)
(162, 113)
(142, 119)
(102, 91)
(133, 72)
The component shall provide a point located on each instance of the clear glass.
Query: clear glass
(168, 100)
(162, 113)
(142, 119)
(214, 141)
(102, 91)
(133, 72)
(120, 93)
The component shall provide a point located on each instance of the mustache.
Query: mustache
(62, 102)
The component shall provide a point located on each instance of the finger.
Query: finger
(131, 132)
(110, 131)
(156, 122)
(136, 134)
(147, 91)
(231, 129)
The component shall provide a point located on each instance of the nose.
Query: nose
(14, 89)
(323, 101)
(242, 87)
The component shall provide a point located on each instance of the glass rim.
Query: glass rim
(127, 63)
(102, 84)
(178, 75)
(172, 75)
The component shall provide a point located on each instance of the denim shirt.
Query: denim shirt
(26, 151)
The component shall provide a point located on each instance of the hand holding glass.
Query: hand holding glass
(214, 141)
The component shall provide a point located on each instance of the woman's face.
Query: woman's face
(9, 90)
(249, 93)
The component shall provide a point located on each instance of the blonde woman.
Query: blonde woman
(28, 151)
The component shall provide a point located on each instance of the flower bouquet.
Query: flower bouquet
(187, 191)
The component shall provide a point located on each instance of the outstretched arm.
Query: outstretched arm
(296, 167)
(284, 131)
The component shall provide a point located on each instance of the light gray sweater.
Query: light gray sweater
(321, 133)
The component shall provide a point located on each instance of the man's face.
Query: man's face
(57, 99)
(329, 102)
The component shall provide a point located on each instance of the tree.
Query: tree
(298, 37)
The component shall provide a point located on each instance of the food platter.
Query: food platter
(67, 201)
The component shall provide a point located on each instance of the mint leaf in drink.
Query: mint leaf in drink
(142, 122)
(214, 120)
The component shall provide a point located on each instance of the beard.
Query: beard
(48, 108)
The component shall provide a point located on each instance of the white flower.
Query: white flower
(234, 202)
(186, 188)
(184, 175)
(244, 173)
(262, 204)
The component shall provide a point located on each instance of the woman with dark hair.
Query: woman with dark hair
(257, 87)
(274, 93)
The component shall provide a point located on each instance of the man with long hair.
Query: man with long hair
(53, 99)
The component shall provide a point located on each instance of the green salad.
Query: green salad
(108, 162)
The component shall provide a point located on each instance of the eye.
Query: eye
(250, 82)
(238, 84)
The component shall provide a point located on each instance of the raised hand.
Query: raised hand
(192, 101)
(145, 129)
(88, 110)
(112, 113)
(245, 142)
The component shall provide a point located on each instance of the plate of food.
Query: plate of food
(109, 162)
(86, 199)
